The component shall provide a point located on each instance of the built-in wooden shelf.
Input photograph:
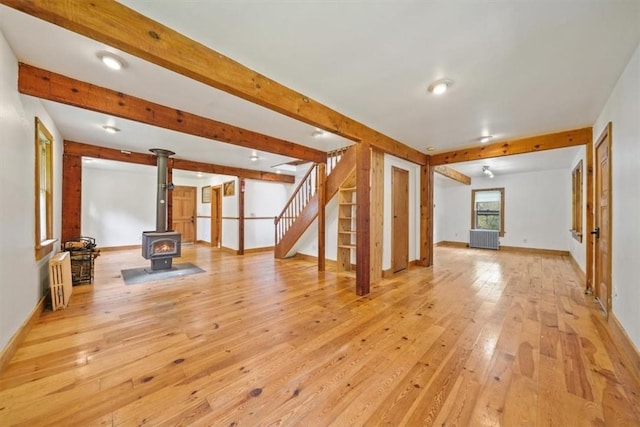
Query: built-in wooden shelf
(346, 228)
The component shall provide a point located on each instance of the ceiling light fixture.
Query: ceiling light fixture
(318, 133)
(440, 86)
(285, 167)
(112, 61)
(484, 139)
(431, 148)
(110, 129)
(487, 172)
(254, 158)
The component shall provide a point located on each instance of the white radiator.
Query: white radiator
(485, 239)
(60, 280)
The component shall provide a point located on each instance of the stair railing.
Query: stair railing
(297, 202)
(303, 193)
(333, 158)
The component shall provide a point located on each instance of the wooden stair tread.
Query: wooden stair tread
(346, 232)
(348, 189)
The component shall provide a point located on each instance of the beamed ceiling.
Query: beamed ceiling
(519, 69)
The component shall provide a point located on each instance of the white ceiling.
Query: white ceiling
(520, 68)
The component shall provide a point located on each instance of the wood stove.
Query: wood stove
(161, 248)
(162, 245)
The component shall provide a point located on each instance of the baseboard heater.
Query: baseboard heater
(484, 239)
(60, 280)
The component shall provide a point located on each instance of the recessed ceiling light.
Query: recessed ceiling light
(199, 174)
(278, 171)
(484, 139)
(87, 159)
(431, 148)
(110, 129)
(440, 86)
(254, 158)
(111, 60)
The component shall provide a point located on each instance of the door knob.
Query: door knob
(596, 232)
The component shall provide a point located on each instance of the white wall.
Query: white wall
(308, 243)
(262, 199)
(579, 249)
(22, 278)
(623, 110)
(537, 209)
(118, 205)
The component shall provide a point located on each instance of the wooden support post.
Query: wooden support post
(377, 213)
(363, 212)
(71, 197)
(426, 215)
(590, 239)
(170, 195)
(241, 218)
(321, 180)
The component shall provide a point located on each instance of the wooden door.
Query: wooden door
(602, 267)
(216, 216)
(400, 219)
(184, 212)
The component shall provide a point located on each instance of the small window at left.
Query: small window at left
(44, 190)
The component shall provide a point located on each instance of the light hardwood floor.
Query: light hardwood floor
(483, 338)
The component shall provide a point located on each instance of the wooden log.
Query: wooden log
(570, 138)
(123, 28)
(363, 213)
(56, 87)
(453, 174)
(87, 150)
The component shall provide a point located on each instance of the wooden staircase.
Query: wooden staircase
(302, 207)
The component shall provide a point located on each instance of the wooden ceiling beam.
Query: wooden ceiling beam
(79, 149)
(56, 87)
(532, 144)
(453, 174)
(116, 25)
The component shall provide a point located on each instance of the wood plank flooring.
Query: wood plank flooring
(483, 338)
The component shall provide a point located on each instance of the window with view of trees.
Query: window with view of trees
(487, 209)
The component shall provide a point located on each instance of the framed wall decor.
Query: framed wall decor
(206, 194)
(229, 188)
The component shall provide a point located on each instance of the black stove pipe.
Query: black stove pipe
(161, 199)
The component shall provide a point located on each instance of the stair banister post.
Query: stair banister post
(321, 177)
